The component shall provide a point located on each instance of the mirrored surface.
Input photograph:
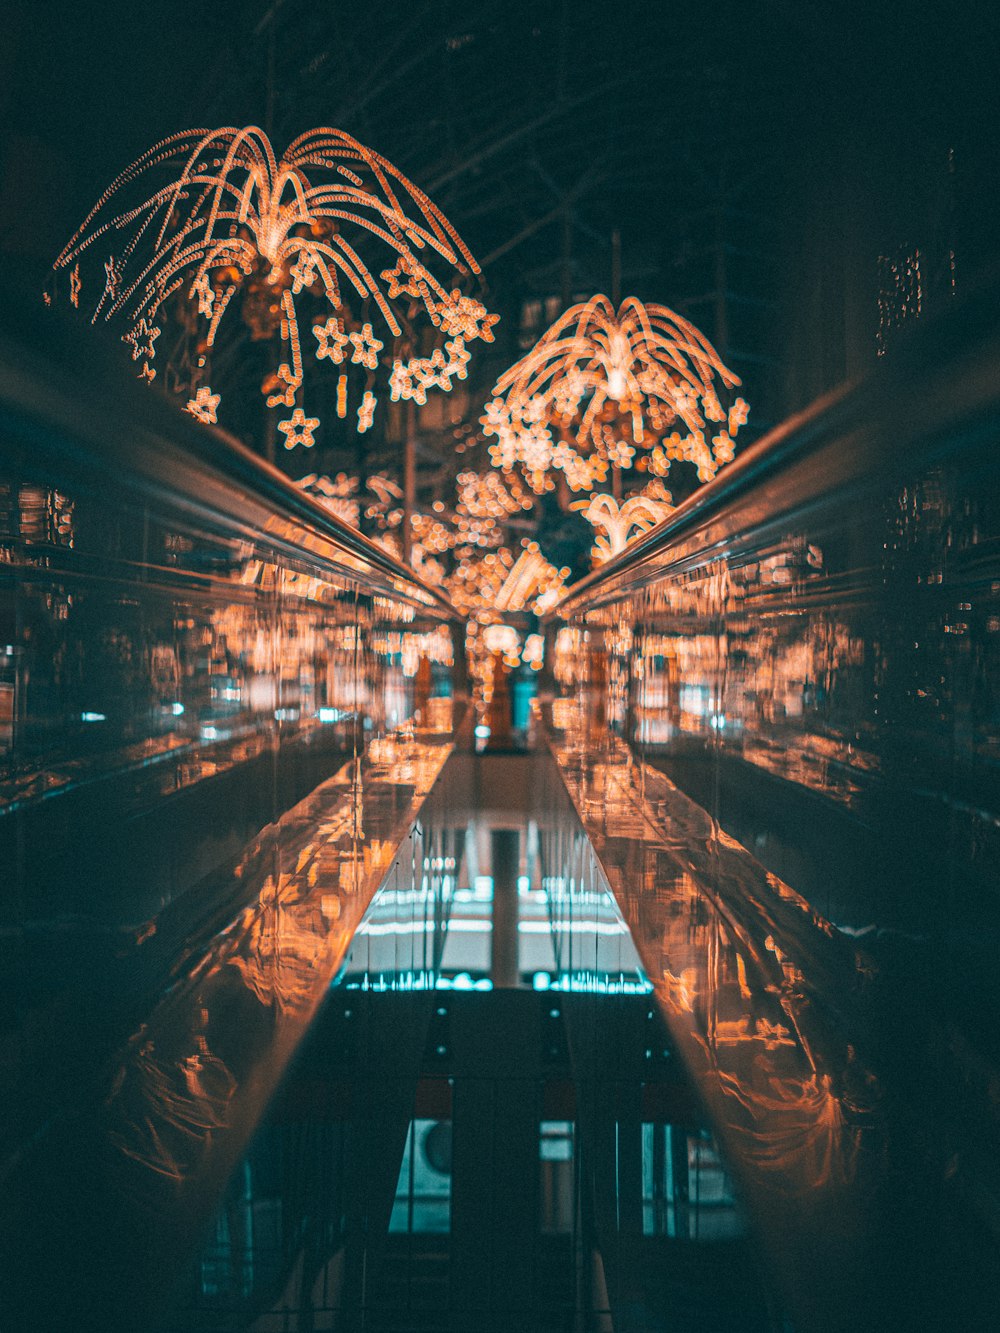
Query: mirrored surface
(464, 1143)
(778, 724)
(213, 750)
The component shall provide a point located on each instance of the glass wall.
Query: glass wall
(778, 718)
(216, 734)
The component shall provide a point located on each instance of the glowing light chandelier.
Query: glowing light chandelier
(621, 523)
(603, 389)
(218, 217)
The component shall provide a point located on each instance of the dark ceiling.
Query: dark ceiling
(541, 129)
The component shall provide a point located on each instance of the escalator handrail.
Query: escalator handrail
(63, 386)
(940, 375)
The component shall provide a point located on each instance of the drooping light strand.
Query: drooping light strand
(366, 412)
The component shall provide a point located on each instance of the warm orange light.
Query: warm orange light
(299, 429)
(212, 214)
(602, 385)
(621, 523)
(204, 405)
(366, 412)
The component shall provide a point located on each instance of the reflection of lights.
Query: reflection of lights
(417, 980)
(459, 925)
(601, 983)
(481, 892)
(93, 717)
(622, 523)
(572, 928)
(329, 715)
(481, 731)
(177, 709)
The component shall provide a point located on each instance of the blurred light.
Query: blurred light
(93, 717)
(192, 251)
(463, 981)
(541, 981)
(572, 927)
(482, 731)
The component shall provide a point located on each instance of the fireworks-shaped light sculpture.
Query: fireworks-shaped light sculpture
(604, 389)
(218, 218)
(621, 523)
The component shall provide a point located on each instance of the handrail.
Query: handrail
(844, 439)
(64, 387)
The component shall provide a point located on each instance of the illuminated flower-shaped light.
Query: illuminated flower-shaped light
(403, 278)
(302, 272)
(220, 217)
(613, 387)
(282, 386)
(405, 383)
(299, 429)
(621, 523)
(465, 317)
(458, 357)
(141, 339)
(431, 371)
(204, 405)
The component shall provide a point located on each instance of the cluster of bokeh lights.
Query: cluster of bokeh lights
(637, 387)
(209, 222)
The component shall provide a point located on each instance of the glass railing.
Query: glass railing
(777, 717)
(220, 713)
(487, 1126)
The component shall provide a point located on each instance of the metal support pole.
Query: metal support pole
(409, 479)
(505, 856)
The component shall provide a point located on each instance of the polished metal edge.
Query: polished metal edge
(888, 424)
(76, 404)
